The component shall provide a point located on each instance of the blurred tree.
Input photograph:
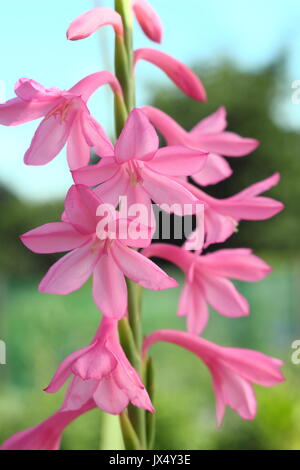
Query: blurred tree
(250, 100)
(18, 217)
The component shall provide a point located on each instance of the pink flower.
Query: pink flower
(206, 281)
(67, 119)
(183, 77)
(103, 373)
(141, 171)
(222, 215)
(233, 370)
(90, 21)
(99, 247)
(47, 435)
(210, 136)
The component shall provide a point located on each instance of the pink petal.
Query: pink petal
(132, 233)
(224, 297)
(181, 75)
(53, 238)
(70, 272)
(93, 175)
(17, 111)
(173, 133)
(193, 305)
(81, 207)
(28, 90)
(148, 20)
(65, 370)
(94, 364)
(139, 206)
(109, 397)
(212, 124)
(237, 264)
(195, 240)
(78, 150)
(79, 393)
(253, 366)
(172, 253)
(49, 139)
(258, 188)
(112, 189)
(169, 193)
(109, 288)
(235, 392)
(95, 136)
(127, 379)
(257, 208)
(178, 161)
(227, 143)
(140, 269)
(88, 85)
(87, 23)
(138, 138)
(216, 169)
(218, 227)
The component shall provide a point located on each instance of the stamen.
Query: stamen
(61, 109)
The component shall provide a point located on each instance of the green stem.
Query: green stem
(124, 53)
(133, 424)
(136, 415)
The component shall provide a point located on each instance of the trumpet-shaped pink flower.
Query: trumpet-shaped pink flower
(183, 77)
(141, 171)
(233, 370)
(90, 21)
(100, 247)
(102, 373)
(222, 215)
(206, 281)
(67, 119)
(46, 435)
(210, 136)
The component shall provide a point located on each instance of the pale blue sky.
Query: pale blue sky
(33, 44)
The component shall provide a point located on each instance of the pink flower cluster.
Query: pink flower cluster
(103, 243)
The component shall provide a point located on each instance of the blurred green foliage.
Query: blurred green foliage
(17, 217)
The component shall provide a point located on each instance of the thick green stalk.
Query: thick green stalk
(136, 415)
(124, 53)
(133, 424)
(150, 417)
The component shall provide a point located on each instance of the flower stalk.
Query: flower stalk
(133, 423)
